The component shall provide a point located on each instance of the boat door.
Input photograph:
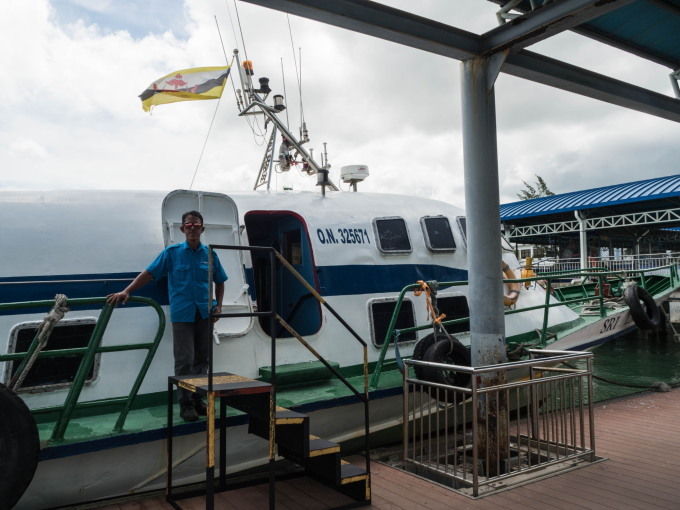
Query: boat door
(220, 217)
(286, 232)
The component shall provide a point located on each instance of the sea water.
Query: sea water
(639, 358)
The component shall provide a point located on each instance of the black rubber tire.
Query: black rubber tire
(419, 353)
(19, 447)
(439, 353)
(643, 309)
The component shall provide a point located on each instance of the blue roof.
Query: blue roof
(627, 193)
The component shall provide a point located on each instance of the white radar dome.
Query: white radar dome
(355, 173)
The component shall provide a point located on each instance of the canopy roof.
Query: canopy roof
(627, 212)
(627, 195)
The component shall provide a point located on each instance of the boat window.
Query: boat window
(438, 234)
(455, 307)
(292, 247)
(52, 373)
(392, 235)
(381, 311)
(462, 226)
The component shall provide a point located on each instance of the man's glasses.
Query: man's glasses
(193, 225)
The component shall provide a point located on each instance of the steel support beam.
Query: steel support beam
(554, 73)
(545, 22)
(487, 325)
(404, 28)
(383, 22)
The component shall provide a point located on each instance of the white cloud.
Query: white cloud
(71, 118)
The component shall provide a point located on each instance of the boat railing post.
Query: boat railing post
(546, 312)
(600, 283)
(81, 374)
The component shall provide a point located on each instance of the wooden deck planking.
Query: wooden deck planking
(639, 436)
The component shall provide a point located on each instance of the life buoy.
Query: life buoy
(643, 308)
(19, 447)
(513, 295)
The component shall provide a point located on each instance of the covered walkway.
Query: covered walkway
(634, 218)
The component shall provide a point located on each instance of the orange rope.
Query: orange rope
(424, 287)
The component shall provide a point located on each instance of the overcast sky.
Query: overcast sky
(70, 117)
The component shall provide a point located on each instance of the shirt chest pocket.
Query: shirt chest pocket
(203, 271)
(182, 274)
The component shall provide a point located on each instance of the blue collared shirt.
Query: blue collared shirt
(187, 272)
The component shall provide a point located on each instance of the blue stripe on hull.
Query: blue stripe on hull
(376, 279)
(40, 288)
(333, 281)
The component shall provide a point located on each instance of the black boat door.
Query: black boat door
(286, 232)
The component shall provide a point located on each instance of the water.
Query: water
(638, 358)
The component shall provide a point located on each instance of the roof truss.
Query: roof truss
(605, 222)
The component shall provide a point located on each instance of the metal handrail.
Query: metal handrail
(93, 348)
(557, 411)
(365, 397)
(599, 273)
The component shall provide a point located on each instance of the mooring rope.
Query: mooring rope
(659, 386)
(44, 331)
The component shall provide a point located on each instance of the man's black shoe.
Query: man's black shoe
(188, 412)
(201, 408)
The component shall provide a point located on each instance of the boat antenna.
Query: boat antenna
(245, 52)
(298, 72)
(283, 79)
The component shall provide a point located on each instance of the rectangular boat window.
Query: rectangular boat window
(462, 225)
(292, 247)
(438, 234)
(455, 307)
(380, 315)
(55, 372)
(392, 235)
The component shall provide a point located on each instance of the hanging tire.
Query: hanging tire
(449, 352)
(643, 309)
(19, 447)
(419, 353)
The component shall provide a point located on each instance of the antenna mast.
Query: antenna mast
(290, 148)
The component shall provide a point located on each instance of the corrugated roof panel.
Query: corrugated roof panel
(629, 192)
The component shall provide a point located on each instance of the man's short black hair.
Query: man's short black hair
(193, 213)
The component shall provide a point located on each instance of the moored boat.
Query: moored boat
(97, 390)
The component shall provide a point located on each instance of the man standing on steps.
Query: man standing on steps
(186, 266)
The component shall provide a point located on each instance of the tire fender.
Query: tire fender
(19, 447)
(643, 309)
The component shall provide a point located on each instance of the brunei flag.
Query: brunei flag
(186, 85)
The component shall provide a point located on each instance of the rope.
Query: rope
(430, 298)
(44, 331)
(656, 386)
(430, 288)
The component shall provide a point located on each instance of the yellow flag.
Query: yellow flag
(186, 85)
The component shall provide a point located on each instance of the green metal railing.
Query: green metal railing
(89, 353)
(602, 276)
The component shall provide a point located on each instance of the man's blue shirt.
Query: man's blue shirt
(187, 272)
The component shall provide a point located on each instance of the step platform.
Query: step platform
(320, 458)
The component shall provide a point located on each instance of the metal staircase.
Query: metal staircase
(320, 458)
(290, 430)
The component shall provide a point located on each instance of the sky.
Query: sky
(70, 116)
